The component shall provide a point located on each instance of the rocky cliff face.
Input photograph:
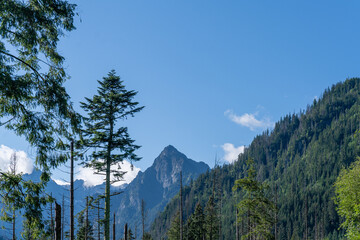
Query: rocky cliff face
(156, 186)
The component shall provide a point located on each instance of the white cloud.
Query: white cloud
(24, 163)
(232, 152)
(249, 120)
(92, 179)
(61, 182)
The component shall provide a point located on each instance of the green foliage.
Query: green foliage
(347, 190)
(174, 230)
(33, 101)
(26, 197)
(85, 228)
(111, 142)
(196, 223)
(211, 220)
(255, 210)
(302, 156)
(147, 236)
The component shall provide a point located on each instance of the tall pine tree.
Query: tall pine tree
(196, 229)
(111, 142)
(255, 209)
(174, 231)
(211, 220)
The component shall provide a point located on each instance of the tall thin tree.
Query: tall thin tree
(13, 165)
(181, 208)
(72, 237)
(143, 217)
(111, 142)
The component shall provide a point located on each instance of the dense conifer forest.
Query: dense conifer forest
(299, 159)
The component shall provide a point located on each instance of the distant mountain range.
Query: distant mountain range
(156, 186)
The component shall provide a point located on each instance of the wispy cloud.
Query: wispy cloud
(231, 152)
(249, 120)
(91, 179)
(24, 163)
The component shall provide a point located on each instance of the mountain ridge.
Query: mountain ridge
(299, 159)
(156, 186)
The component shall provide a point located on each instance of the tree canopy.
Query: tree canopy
(347, 190)
(33, 101)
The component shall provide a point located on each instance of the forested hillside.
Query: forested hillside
(300, 159)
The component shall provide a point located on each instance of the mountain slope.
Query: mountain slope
(156, 186)
(300, 158)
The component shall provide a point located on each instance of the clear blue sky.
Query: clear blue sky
(201, 66)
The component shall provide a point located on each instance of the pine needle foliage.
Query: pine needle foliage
(255, 209)
(111, 143)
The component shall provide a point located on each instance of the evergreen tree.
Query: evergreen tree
(147, 236)
(196, 229)
(347, 190)
(112, 143)
(255, 208)
(33, 102)
(26, 197)
(130, 235)
(174, 231)
(211, 220)
(85, 228)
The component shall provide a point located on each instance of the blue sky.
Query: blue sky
(209, 73)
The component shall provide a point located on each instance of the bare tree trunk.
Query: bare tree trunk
(13, 164)
(13, 225)
(98, 220)
(57, 221)
(125, 232)
(52, 221)
(63, 218)
(181, 208)
(220, 217)
(114, 238)
(87, 217)
(143, 217)
(276, 220)
(72, 237)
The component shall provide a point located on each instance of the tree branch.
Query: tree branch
(22, 61)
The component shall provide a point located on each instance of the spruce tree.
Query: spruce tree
(85, 228)
(111, 142)
(174, 231)
(211, 220)
(196, 229)
(255, 209)
(147, 236)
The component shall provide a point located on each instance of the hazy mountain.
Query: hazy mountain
(156, 186)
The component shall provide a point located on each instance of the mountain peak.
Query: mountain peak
(169, 154)
(169, 149)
